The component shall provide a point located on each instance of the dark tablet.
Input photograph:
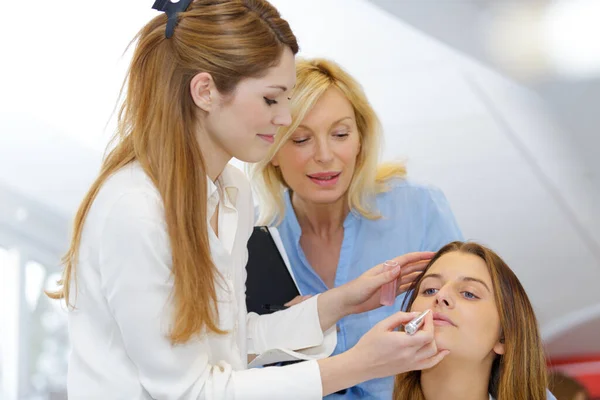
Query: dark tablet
(269, 284)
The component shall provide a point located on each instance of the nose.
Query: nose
(444, 298)
(323, 152)
(283, 118)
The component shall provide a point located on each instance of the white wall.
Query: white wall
(511, 179)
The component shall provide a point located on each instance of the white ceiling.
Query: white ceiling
(512, 177)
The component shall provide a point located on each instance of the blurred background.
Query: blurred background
(497, 102)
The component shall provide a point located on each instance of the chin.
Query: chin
(443, 341)
(251, 156)
(325, 198)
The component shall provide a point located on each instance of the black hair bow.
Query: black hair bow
(172, 9)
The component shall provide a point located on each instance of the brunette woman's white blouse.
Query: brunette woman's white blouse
(123, 309)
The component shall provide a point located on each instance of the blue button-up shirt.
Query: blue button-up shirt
(414, 218)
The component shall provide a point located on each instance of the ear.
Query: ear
(203, 91)
(499, 347)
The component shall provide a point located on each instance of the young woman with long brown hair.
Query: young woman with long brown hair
(154, 277)
(483, 316)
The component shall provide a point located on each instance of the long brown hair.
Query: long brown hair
(518, 374)
(231, 40)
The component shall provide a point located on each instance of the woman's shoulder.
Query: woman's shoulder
(129, 180)
(408, 190)
(129, 191)
(236, 177)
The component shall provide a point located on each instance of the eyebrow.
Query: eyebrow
(283, 88)
(331, 126)
(462, 278)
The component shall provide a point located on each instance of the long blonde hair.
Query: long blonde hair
(518, 374)
(313, 78)
(231, 40)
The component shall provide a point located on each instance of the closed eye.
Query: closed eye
(270, 102)
(300, 141)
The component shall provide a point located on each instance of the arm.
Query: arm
(136, 281)
(298, 329)
(301, 326)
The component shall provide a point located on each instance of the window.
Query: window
(34, 338)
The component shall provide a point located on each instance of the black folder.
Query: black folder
(269, 284)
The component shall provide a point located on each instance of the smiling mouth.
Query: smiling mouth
(328, 176)
(268, 138)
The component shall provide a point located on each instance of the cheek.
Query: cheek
(484, 327)
(248, 114)
(349, 152)
(292, 162)
(422, 303)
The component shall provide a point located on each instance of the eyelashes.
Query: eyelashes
(270, 102)
(465, 293)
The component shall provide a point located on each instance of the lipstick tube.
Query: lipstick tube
(413, 326)
(388, 291)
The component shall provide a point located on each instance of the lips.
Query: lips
(324, 176)
(325, 180)
(267, 138)
(441, 319)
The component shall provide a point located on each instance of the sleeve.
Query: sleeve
(441, 227)
(136, 281)
(292, 334)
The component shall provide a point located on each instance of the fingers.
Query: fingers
(414, 257)
(417, 267)
(429, 350)
(383, 277)
(410, 278)
(433, 361)
(406, 281)
(395, 320)
(425, 334)
(406, 261)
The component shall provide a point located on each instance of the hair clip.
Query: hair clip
(172, 8)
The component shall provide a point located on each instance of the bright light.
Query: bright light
(532, 40)
(34, 282)
(571, 36)
(9, 322)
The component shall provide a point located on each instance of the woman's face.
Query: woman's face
(319, 159)
(458, 289)
(243, 125)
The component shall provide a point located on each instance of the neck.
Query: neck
(322, 220)
(451, 380)
(215, 158)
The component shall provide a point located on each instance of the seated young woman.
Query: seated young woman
(482, 315)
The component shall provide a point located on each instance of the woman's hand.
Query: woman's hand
(382, 352)
(363, 293)
(410, 273)
(388, 352)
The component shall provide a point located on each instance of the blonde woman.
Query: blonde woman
(338, 210)
(154, 277)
